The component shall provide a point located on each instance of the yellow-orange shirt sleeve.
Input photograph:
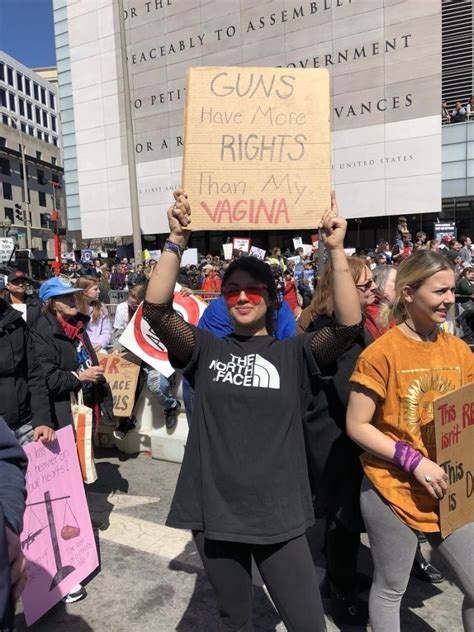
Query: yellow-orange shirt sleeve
(372, 372)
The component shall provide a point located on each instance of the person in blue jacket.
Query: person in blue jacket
(216, 319)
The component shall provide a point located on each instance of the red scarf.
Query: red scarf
(75, 329)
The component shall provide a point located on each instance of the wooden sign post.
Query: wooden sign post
(256, 152)
(454, 428)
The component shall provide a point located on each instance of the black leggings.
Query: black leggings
(287, 569)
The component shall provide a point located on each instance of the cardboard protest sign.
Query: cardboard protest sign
(297, 242)
(258, 253)
(190, 257)
(454, 429)
(227, 250)
(256, 154)
(122, 375)
(144, 343)
(6, 249)
(57, 538)
(241, 243)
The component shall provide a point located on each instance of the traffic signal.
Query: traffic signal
(19, 214)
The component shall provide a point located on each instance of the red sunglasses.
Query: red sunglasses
(254, 293)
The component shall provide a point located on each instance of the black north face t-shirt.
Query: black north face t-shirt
(244, 476)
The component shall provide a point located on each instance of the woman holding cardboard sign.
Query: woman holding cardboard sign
(243, 488)
(390, 415)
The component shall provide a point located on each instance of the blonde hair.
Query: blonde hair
(85, 283)
(413, 272)
(322, 302)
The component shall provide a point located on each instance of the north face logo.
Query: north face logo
(252, 370)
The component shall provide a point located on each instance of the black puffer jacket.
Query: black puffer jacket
(33, 309)
(23, 393)
(58, 358)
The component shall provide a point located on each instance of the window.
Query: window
(11, 98)
(42, 198)
(39, 134)
(5, 167)
(43, 96)
(31, 130)
(7, 191)
(3, 98)
(55, 141)
(44, 220)
(21, 106)
(46, 138)
(40, 176)
(38, 115)
(3, 141)
(52, 101)
(10, 75)
(53, 123)
(2, 71)
(9, 214)
(53, 161)
(19, 81)
(29, 110)
(45, 118)
(27, 86)
(5, 119)
(27, 172)
(39, 155)
(23, 127)
(36, 91)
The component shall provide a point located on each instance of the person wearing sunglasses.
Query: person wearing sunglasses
(243, 488)
(16, 296)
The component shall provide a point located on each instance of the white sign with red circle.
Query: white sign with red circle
(141, 340)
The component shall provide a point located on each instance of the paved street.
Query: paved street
(151, 578)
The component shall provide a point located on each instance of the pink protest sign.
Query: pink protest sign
(57, 538)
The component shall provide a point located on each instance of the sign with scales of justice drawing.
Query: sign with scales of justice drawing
(257, 152)
(57, 538)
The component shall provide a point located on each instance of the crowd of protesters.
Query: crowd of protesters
(53, 340)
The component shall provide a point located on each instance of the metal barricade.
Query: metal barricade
(118, 296)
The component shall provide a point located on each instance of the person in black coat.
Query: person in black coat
(23, 395)
(13, 463)
(68, 359)
(16, 295)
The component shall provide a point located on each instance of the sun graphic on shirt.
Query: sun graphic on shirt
(418, 402)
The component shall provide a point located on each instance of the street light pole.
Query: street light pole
(27, 210)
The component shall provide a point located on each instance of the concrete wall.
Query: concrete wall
(384, 57)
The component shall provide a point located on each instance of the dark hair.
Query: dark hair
(262, 273)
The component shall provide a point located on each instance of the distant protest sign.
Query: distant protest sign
(258, 253)
(144, 343)
(256, 152)
(57, 538)
(122, 375)
(454, 428)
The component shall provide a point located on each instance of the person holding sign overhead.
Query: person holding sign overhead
(243, 488)
(390, 415)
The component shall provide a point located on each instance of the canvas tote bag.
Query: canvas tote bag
(83, 417)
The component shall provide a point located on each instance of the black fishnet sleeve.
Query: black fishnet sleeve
(175, 333)
(331, 341)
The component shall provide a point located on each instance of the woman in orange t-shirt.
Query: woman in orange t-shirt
(390, 415)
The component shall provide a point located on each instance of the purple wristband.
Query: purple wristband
(406, 457)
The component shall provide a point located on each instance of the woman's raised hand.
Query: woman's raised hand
(333, 228)
(179, 216)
